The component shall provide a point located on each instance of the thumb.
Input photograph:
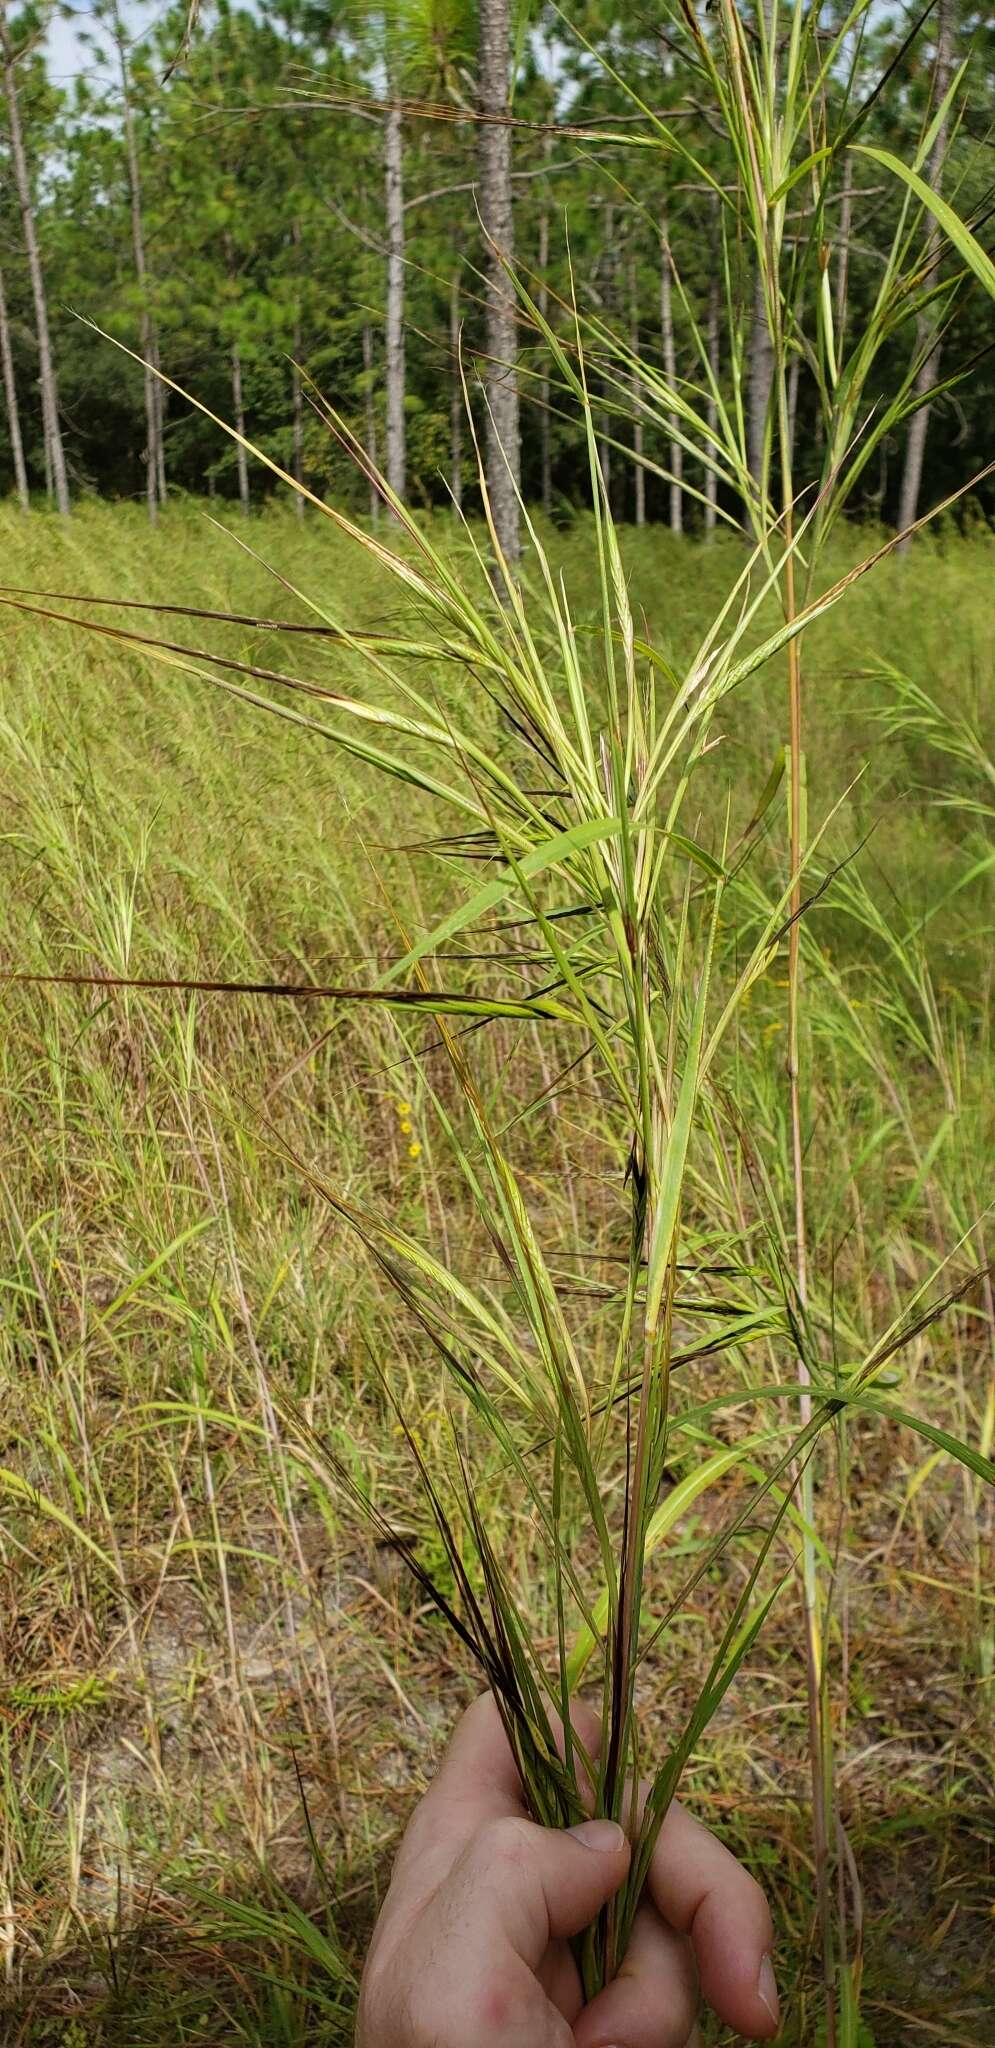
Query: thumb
(488, 1928)
(542, 1884)
(580, 1869)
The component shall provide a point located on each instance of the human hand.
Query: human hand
(471, 1949)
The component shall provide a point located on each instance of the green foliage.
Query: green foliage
(262, 198)
(67, 1697)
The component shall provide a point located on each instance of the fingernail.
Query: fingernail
(767, 1990)
(603, 1835)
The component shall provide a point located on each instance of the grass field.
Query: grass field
(218, 1695)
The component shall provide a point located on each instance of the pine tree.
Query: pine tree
(503, 441)
(10, 400)
(929, 369)
(54, 451)
(148, 339)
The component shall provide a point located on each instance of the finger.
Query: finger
(536, 1885)
(702, 1891)
(488, 1927)
(653, 2000)
(477, 1782)
(484, 1995)
(479, 1779)
(479, 1768)
(560, 1979)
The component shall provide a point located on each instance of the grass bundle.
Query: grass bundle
(626, 937)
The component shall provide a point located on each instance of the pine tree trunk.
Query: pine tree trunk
(46, 366)
(237, 399)
(238, 411)
(297, 417)
(503, 441)
(607, 301)
(161, 439)
(147, 340)
(10, 396)
(794, 378)
(605, 453)
(455, 397)
(297, 392)
(542, 301)
(676, 462)
(843, 267)
(394, 365)
(161, 396)
(638, 472)
(371, 423)
(639, 476)
(761, 378)
(761, 354)
(711, 407)
(929, 369)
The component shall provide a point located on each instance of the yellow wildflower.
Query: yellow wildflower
(414, 1149)
(406, 1128)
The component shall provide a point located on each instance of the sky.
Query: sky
(67, 55)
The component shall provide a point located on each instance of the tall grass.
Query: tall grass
(168, 1286)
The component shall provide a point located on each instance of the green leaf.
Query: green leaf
(982, 1467)
(693, 852)
(134, 1286)
(672, 1176)
(956, 230)
(552, 853)
(682, 1497)
(794, 177)
(21, 1490)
